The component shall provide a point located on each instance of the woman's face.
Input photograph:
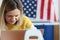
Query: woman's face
(12, 16)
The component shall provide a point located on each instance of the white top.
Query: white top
(33, 32)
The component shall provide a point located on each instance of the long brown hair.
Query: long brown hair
(9, 5)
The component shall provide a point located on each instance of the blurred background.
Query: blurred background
(44, 14)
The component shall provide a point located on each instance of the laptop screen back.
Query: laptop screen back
(12, 35)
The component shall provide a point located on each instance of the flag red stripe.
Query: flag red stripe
(49, 9)
(54, 17)
(42, 9)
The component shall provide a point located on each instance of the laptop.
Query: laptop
(13, 35)
(21, 35)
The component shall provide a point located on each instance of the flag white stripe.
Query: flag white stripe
(56, 8)
(52, 11)
(45, 10)
(38, 9)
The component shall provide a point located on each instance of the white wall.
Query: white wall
(59, 11)
(59, 32)
(59, 19)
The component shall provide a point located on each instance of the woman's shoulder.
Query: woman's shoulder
(25, 17)
(26, 21)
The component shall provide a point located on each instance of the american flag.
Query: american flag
(41, 10)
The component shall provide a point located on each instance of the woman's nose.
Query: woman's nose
(13, 18)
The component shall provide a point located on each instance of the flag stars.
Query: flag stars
(25, 3)
(29, 9)
(27, 12)
(32, 7)
(22, 0)
(29, 15)
(34, 15)
(27, 6)
(35, 5)
(33, 2)
(24, 9)
(31, 12)
(30, 4)
(34, 10)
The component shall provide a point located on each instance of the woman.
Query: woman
(12, 18)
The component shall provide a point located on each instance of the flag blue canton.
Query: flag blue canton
(30, 8)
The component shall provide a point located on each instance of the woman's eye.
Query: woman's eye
(9, 16)
(16, 15)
